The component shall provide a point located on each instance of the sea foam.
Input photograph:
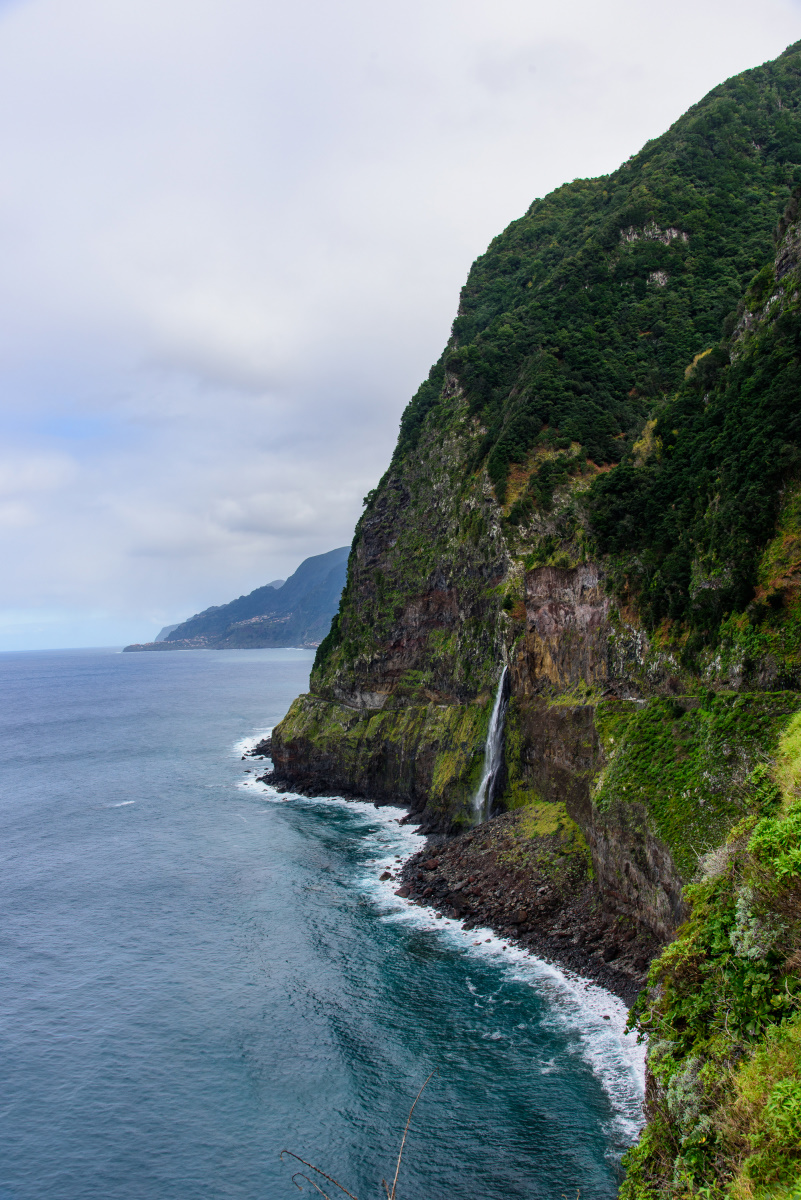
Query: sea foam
(592, 1018)
(245, 745)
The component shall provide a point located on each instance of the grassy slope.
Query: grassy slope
(697, 764)
(723, 1013)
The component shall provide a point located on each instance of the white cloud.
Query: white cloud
(34, 473)
(25, 482)
(233, 236)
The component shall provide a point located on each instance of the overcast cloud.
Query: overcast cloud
(233, 234)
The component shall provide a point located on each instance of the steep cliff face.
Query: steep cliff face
(599, 487)
(410, 666)
(576, 639)
(419, 616)
(486, 542)
(573, 328)
(428, 756)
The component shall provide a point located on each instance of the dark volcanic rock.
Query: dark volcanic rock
(262, 749)
(528, 890)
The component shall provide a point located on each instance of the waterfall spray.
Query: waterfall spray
(493, 751)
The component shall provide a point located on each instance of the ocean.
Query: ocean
(198, 973)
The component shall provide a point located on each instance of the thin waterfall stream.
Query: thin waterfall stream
(493, 751)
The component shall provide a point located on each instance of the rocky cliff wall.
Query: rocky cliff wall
(649, 613)
(426, 756)
(567, 648)
(429, 756)
(477, 549)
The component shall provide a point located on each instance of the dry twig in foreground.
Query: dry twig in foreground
(336, 1183)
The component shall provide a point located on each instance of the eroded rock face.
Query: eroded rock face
(561, 757)
(487, 480)
(378, 743)
(560, 753)
(427, 757)
(575, 638)
(529, 887)
(635, 871)
(404, 651)
(567, 628)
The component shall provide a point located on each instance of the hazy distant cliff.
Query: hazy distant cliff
(600, 486)
(297, 612)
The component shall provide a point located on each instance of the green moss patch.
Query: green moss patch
(545, 836)
(723, 1015)
(690, 762)
(434, 751)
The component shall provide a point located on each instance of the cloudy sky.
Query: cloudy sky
(232, 236)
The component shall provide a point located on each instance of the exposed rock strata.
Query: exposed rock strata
(567, 629)
(482, 548)
(429, 756)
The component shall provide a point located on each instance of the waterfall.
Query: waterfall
(493, 751)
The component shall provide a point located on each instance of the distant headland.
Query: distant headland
(295, 612)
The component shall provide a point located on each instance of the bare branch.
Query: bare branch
(312, 1167)
(311, 1181)
(406, 1130)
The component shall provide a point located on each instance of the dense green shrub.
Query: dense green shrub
(586, 311)
(686, 528)
(722, 1012)
(695, 766)
(418, 408)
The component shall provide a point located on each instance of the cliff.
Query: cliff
(599, 486)
(295, 612)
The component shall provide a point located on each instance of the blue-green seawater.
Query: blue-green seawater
(197, 973)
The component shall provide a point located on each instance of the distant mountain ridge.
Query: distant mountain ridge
(297, 612)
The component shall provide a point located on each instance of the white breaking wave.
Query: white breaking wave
(249, 743)
(592, 1020)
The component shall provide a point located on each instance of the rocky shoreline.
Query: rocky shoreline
(533, 888)
(491, 877)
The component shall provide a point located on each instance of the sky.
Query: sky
(232, 236)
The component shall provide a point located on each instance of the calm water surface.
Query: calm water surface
(197, 973)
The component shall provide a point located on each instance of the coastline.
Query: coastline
(524, 887)
(582, 995)
(486, 878)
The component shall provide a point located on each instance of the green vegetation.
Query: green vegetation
(413, 547)
(687, 518)
(696, 765)
(569, 354)
(428, 749)
(516, 793)
(545, 839)
(622, 389)
(545, 818)
(587, 310)
(723, 1015)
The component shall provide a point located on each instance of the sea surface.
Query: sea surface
(197, 973)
